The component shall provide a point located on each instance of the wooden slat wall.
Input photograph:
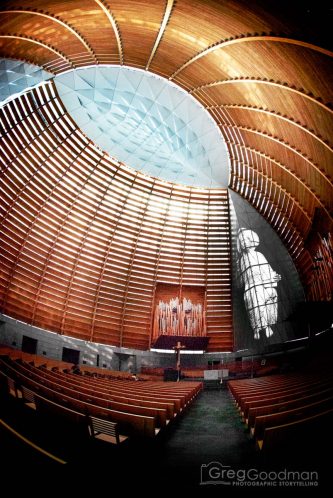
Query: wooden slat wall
(85, 239)
(263, 70)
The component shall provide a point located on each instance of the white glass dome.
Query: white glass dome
(147, 123)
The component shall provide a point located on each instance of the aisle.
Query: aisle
(210, 431)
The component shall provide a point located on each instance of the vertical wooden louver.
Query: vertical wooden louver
(84, 239)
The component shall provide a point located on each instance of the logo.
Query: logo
(214, 473)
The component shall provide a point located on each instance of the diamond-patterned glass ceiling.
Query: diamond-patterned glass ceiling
(147, 123)
(17, 76)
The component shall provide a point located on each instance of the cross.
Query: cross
(177, 349)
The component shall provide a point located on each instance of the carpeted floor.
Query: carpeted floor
(210, 431)
(209, 434)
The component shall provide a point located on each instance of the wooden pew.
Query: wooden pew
(283, 388)
(184, 391)
(131, 424)
(282, 397)
(265, 421)
(81, 386)
(77, 392)
(303, 429)
(286, 405)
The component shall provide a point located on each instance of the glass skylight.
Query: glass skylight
(17, 76)
(147, 123)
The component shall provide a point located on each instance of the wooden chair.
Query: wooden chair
(28, 398)
(105, 430)
(12, 388)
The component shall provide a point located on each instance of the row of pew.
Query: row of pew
(139, 408)
(62, 365)
(284, 407)
(236, 369)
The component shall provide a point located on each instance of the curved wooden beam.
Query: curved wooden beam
(31, 224)
(54, 242)
(249, 38)
(114, 25)
(55, 19)
(166, 17)
(284, 168)
(271, 179)
(81, 245)
(129, 271)
(284, 86)
(105, 259)
(158, 256)
(282, 210)
(290, 239)
(38, 42)
(284, 144)
(276, 115)
(269, 200)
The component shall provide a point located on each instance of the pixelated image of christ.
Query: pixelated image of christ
(260, 284)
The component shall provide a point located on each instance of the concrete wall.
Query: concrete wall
(51, 344)
(290, 291)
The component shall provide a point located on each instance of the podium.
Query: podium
(171, 374)
(212, 374)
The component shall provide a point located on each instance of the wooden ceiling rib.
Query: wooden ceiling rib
(142, 18)
(273, 114)
(248, 92)
(167, 14)
(265, 79)
(114, 25)
(53, 19)
(277, 62)
(61, 63)
(246, 39)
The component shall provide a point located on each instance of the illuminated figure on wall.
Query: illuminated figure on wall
(260, 284)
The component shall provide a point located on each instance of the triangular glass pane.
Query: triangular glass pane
(88, 77)
(99, 96)
(21, 68)
(4, 77)
(67, 79)
(80, 84)
(134, 80)
(148, 120)
(87, 94)
(102, 80)
(13, 76)
(107, 77)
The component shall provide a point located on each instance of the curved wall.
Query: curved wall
(50, 345)
(84, 240)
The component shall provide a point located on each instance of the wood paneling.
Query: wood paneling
(84, 257)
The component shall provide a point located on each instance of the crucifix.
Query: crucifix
(177, 349)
